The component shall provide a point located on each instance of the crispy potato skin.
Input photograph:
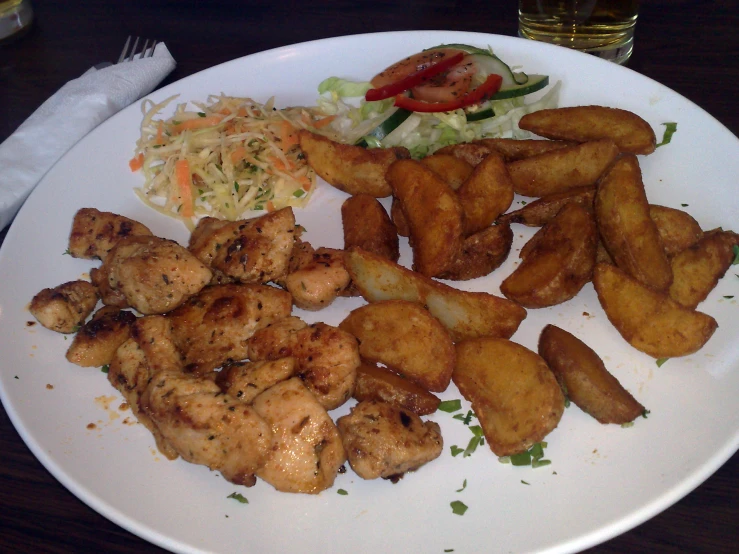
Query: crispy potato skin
(471, 152)
(398, 219)
(697, 269)
(560, 262)
(585, 379)
(626, 228)
(376, 383)
(481, 253)
(584, 123)
(513, 149)
(487, 193)
(433, 213)
(540, 212)
(677, 229)
(648, 320)
(406, 337)
(464, 314)
(367, 225)
(453, 170)
(562, 169)
(352, 169)
(513, 393)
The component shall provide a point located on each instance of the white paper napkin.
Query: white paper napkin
(70, 114)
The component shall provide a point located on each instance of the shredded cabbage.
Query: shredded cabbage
(243, 156)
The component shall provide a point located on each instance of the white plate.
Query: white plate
(603, 479)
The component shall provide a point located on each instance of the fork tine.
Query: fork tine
(133, 50)
(143, 50)
(153, 46)
(125, 50)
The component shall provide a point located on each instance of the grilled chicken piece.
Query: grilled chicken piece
(96, 342)
(94, 233)
(65, 307)
(212, 328)
(152, 274)
(247, 380)
(250, 251)
(385, 441)
(307, 452)
(319, 280)
(327, 357)
(150, 349)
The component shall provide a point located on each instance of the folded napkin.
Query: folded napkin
(72, 112)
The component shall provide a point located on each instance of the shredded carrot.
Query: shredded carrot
(197, 123)
(323, 122)
(306, 183)
(184, 182)
(160, 134)
(238, 154)
(225, 111)
(280, 165)
(136, 162)
(270, 206)
(241, 112)
(288, 136)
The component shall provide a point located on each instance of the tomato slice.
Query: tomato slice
(491, 85)
(414, 79)
(447, 86)
(412, 64)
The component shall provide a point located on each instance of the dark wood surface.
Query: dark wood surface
(691, 46)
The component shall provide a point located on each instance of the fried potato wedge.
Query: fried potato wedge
(481, 253)
(562, 169)
(648, 320)
(626, 227)
(464, 314)
(514, 149)
(486, 194)
(540, 212)
(585, 379)
(697, 269)
(560, 262)
(514, 395)
(471, 152)
(405, 337)
(585, 123)
(377, 383)
(398, 219)
(367, 225)
(433, 213)
(677, 229)
(350, 168)
(453, 170)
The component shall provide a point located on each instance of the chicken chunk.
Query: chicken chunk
(247, 380)
(385, 441)
(307, 452)
(65, 307)
(250, 251)
(212, 327)
(327, 357)
(96, 342)
(317, 283)
(94, 233)
(154, 275)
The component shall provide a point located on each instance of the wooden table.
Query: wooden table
(689, 46)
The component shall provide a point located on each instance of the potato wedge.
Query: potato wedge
(481, 253)
(540, 212)
(584, 123)
(563, 169)
(585, 379)
(453, 170)
(471, 152)
(433, 213)
(350, 168)
(464, 314)
(514, 149)
(697, 269)
(560, 262)
(677, 229)
(648, 320)
(398, 219)
(514, 395)
(405, 337)
(486, 194)
(367, 225)
(377, 383)
(626, 228)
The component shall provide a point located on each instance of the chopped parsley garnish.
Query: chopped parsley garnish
(728, 297)
(684, 205)
(736, 255)
(239, 497)
(450, 406)
(670, 129)
(298, 193)
(627, 424)
(456, 450)
(661, 361)
(465, 418)
(201, 114)
(464, 486)
(645, 413)
(458, 507)
(236, 186)
(525, 482)
(105, 368)
(476, 440)
(342, 492)
(67, 252)
(533, 457)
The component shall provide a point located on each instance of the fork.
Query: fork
(146, 52)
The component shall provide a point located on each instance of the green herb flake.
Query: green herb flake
(465, 418)
(540, 463)
(736, 255)
(464, 486)
(645, 413)
(450, 406)
(504, 459)
(67, 252)
(238, 497)
(661, 361)
(670, 129)
(342, 492)
(728, 297)
(456, 450)
(448, 550)
(521, 459)
(523, 202)
(458, 507)
(627, 424)
(236, 186)
(684, 205)
(201, 114)
(525, 482)
(298, 193)
(105, 368)
(475, 441)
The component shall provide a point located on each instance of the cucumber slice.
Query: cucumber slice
(534, 83)
(480, 115)
(490, 63)
(386, 127)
